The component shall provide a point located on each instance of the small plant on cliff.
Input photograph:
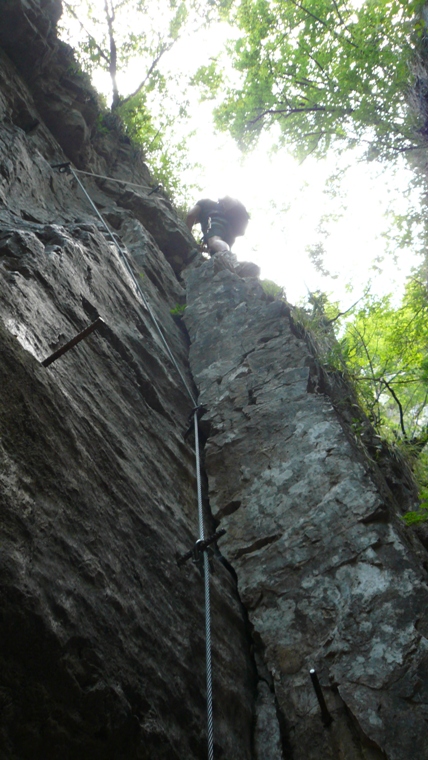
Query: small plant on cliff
(420, 470)
(178, 310)
(272, 289)
(319, 318)
(168, 159)
(382, 350)
(416, 517)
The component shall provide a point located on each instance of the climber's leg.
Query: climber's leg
(216, 244)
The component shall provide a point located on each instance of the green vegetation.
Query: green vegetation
(111, 36)
(385, 349)
(168, 159)
(272, 289)
(330, 73)
(178, 310)
(320, 75)
(382, 350)
(420, 516)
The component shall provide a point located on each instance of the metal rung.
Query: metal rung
(73, 342)
(325, 715)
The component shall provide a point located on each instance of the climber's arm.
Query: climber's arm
(193, 217)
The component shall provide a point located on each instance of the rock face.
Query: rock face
(324, 566)
(102, 635)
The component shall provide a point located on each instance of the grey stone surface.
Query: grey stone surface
(267, 732)
(324, 565)
(53, 98)
(102, 635)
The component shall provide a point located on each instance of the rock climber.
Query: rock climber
(221, 222)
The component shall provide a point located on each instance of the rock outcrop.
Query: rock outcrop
(325, 568)
(102, 635)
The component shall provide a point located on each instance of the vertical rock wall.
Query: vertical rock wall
(102, 636)
(325, 568)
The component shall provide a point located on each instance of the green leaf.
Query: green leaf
(327, 71)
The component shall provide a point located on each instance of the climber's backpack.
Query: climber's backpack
(236, 215)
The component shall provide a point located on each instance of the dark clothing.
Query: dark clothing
(213, 221)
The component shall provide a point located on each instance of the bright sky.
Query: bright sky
(288, 201)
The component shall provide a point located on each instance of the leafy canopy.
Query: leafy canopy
(112, 34)
(328, 72)
(168, 158)
(382, 349)
(133, 37)
(385, 350)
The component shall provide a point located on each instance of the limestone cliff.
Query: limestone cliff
(102, 634)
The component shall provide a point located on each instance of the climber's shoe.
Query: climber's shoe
(224, 260)
(247, 269)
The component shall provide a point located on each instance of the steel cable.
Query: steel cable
(137, 285)
(210, 721)
(209, 678)
(113, 179)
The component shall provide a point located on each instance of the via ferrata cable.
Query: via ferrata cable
(210, 725)
(136, 283)
(120, 181)
(210, 722)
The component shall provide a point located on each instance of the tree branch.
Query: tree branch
(400, 408)
(96, 45)
(324, 23)
(291, 111)
(112, 67)
(153, 65)
(339, 13)
(342, 313)
(369, 358)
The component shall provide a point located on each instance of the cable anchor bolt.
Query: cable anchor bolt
(197, 553)
(325, 715)
(62, 168)
(199, 411)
